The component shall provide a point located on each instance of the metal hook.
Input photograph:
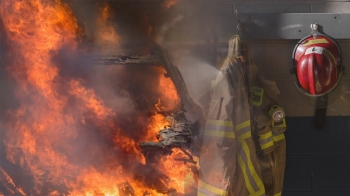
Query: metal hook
(239, 24)
(314, 29)
(314, 26)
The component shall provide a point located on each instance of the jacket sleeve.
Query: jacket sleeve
(218, 148)
(219, 125)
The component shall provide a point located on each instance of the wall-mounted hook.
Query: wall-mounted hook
(314, 26)
(314, 29)
(239, 24)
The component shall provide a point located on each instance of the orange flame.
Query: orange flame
(106, 37)
(46, 131)
(169, 97)
(35, 30)
(145, 23)
(7, 180)
(169, 3)
(158, 122)
(183, 175)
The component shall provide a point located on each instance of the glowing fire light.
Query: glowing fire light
(107, 37)
(45, 134)
(169, 3)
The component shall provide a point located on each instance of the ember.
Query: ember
(67, 135)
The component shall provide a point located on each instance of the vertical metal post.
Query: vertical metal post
(320, 112)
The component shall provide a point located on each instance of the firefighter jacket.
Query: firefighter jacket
(271, 138)
(228, 160)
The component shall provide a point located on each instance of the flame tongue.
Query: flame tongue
(45, 127)
(36, 30)
(62, 133)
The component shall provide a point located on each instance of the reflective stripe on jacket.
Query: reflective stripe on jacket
(228, 162)
(271, 139)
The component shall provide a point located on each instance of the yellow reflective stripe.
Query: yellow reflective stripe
(200, 194)
(223, 134)
(225, 123)
(219, 128)
(265, 135)
(268, 144)
(251, 168)
(248, 184)
(316, 41)
(242, 125)
(278, 137)
(264, 138)
(278, 194)
(211, 188)
(259, 193)
(246, 178)
(244, 136)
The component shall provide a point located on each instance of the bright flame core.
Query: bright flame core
(59, 118)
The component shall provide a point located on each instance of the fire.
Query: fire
(169, 3)
(158, 122)
(35, 30)
(7, 180)
(183, 174)
(62, 133)
(107, 37)
(107, 184)
(170, 98)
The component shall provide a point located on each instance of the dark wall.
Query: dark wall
(317, 161)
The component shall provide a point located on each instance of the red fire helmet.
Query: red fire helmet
(317, 65)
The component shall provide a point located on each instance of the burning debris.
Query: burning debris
(122, 59)
(125, 189)
(64, 135)
(179, 134)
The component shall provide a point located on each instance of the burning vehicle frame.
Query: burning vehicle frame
(180, 132)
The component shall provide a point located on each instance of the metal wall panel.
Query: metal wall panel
(298, 174)
(293, 25)
(267, 7)
(334, 7)
(303, 139)
(317, 161)
(268, 27)
(331, 172)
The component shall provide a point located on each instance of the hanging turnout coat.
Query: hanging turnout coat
(271, 139)
(229, 164)
(228, 161)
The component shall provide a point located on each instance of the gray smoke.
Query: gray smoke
(129, 90)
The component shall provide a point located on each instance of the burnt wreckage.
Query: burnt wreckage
(179, 133)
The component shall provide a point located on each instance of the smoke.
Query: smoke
(166, 27)
(131, 91)
(110, 113)
(198, 75)
(109, 105)
(132, 97)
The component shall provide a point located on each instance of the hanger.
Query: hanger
(239, 23)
